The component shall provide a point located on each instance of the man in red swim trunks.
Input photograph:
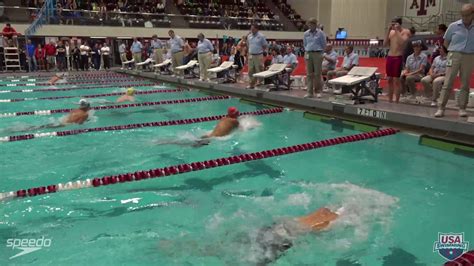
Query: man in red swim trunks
(397, 38)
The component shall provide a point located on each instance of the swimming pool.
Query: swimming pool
(396, 194)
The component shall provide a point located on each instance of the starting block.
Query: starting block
(363, 83)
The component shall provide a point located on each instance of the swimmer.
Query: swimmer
(226, 125)
(56, 78)
(76, 116)
(128, 96)
(274, 240)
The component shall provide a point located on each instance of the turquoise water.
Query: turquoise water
(396, 194)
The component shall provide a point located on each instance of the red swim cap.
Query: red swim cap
(232, 112)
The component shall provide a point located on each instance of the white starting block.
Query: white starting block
(224, 69)
(145, 63)
(189, 68)
(124, 63)
(363, 83)
(164, 67)
(277, 73)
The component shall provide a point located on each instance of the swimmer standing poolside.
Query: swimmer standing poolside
(397, 39)
(128, 96)
(56, 78)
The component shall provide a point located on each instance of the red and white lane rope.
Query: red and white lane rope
(73, 83)
(69, 78)
(91, 96)
(195, 166)
(79, 74)
(118, 106)
(132, 126)
(84, 88)
(47, 77)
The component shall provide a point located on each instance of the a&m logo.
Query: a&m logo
(450, 245)
(422, 8)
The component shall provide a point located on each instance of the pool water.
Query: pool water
(396, 195)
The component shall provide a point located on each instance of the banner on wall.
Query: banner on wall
(423, 8)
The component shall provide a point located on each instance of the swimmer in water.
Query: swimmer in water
(128, 96)
(76, 116)
(274, 240)
(226, 125)
(56, 78)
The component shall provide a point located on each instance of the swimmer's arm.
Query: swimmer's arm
(386, 41)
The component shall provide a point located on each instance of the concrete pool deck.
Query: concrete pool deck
(409, 117)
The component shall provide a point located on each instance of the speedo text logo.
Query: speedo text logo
(27, 245)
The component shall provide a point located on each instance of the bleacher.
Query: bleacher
(292, 15)
(228, 14)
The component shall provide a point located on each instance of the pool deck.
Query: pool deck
(414, 118)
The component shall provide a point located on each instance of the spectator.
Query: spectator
(314, 41)
(50, 49)
(329, 59)
(30, 54)
(414, 69)
(459, 39)
(40, 55)
(105, 52)
(240, 54)
(435, 78)
(276, 57)
(123, 52)
(440, 41)
(136, 50)
(257, 44)
(188, 52)
(176, 47)
(157, 47)
(68, 55)
(85, 51)
(61, 56)
(76, 57)
(290, 59)
(351, 60)
(96, 56)
(205, 49)
(9, 33)
(409, 48)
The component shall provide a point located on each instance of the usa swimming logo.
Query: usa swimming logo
(450, 245)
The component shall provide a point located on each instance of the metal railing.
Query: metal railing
(130, 19)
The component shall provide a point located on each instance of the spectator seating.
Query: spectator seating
(291, 14)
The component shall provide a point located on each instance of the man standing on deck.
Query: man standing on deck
(397, 38)
(314, 41)
(257, 44)
(459, 39)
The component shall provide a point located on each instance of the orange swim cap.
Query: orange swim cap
(232, 112)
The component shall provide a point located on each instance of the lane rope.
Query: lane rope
(194, 166)
(118, 106)
(83, 88)
(91, 95)
(100, 73)
(47, 77)
(71, 83)
(68, 77)
(132, 126)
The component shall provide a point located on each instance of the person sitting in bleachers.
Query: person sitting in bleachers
(414, 70)
(351, 60)
(435, 78)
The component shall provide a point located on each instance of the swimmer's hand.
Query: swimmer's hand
(201, 142)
